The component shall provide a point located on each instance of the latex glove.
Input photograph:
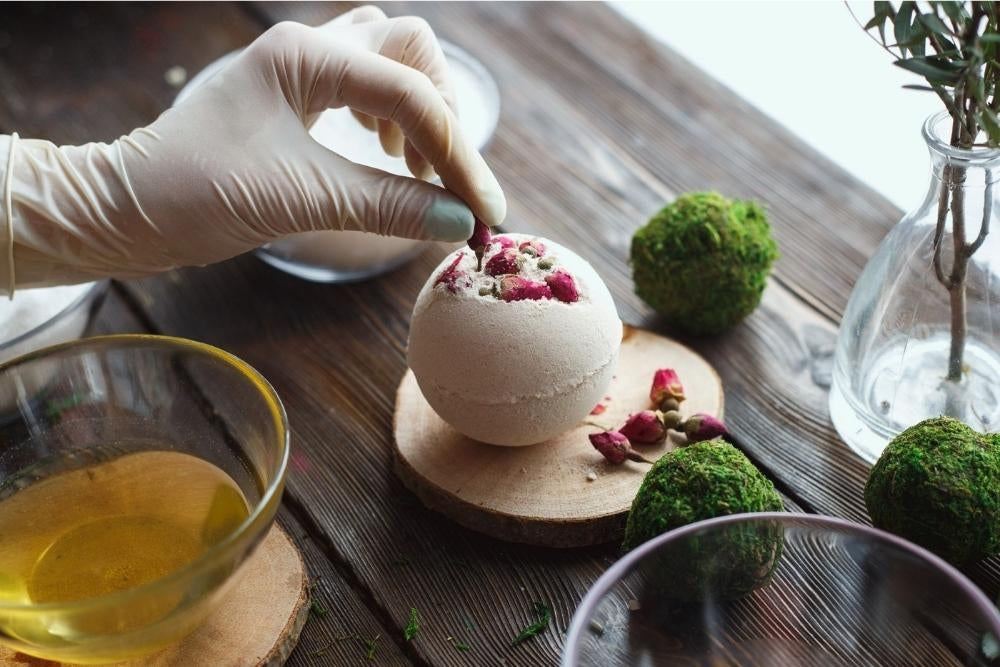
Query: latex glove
(233, 166)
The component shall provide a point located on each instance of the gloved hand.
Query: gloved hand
(233, 166)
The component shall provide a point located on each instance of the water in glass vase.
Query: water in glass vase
(919, 334)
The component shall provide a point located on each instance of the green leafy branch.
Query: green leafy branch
(954, 47)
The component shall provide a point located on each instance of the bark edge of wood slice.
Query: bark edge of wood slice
(257, 623)
(542, 494)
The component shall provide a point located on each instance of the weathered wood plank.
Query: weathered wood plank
(73, 73)
(340, 626)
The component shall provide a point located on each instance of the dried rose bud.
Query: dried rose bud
(516, 288)
(534, 247)
(504, 262)
(666, 385)
(672, 419)
(563, 287)
(546, 264)
(451, 276)
(703, 426)
(479, 240)
(503, 241)
(644, 428)
(670, 405)
(615, 447)
(611, 444)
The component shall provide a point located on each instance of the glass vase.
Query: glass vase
(919, 337)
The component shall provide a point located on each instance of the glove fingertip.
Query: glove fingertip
(448, 220)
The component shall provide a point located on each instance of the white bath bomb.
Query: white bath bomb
(514, 358)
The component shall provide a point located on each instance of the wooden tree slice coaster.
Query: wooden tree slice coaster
(559, 493)
(257, 624)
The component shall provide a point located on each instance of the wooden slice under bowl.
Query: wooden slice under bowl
(257, 624)
(559, 493)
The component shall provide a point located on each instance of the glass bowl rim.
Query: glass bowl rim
(97, 288)
(252, 527)
(620, 567)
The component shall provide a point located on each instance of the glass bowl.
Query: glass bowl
(350, 256)
(43, 316)
(782, 589)
(120, 456)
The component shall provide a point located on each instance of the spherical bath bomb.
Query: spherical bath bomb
(938, 484)
(519, 351)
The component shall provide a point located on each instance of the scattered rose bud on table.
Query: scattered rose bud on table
(701, 426)
(644, 428)
(666, 386)
(615, 447)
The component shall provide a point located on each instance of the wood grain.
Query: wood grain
(339, 625)
(559, 493)
(599, 127)
(81, 72)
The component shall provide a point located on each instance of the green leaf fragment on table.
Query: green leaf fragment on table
(371, 646)
(412, 625)
(317, 609)
(462, 646)
(544, 613)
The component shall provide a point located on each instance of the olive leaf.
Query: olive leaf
(954, 46)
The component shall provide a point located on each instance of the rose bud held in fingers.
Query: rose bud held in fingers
(703, 426)
(479, 240)
(666, 385)
(644, 428)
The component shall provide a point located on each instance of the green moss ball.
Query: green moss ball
(702, 481)
(703, 261)
(938, 484)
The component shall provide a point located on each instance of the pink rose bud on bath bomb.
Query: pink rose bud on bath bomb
(532, 247)
(644, 428)
(562, 286)
(503, 263)
(702, 426)
(516, 288)
(503, 242)
(666, 385)
(499, 358)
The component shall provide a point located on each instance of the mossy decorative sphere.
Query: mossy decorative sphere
(703, 261)
(702, 481)
(938, 484)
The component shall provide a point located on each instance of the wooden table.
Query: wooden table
(599, 127)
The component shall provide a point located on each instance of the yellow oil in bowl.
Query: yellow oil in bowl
(105, 530)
